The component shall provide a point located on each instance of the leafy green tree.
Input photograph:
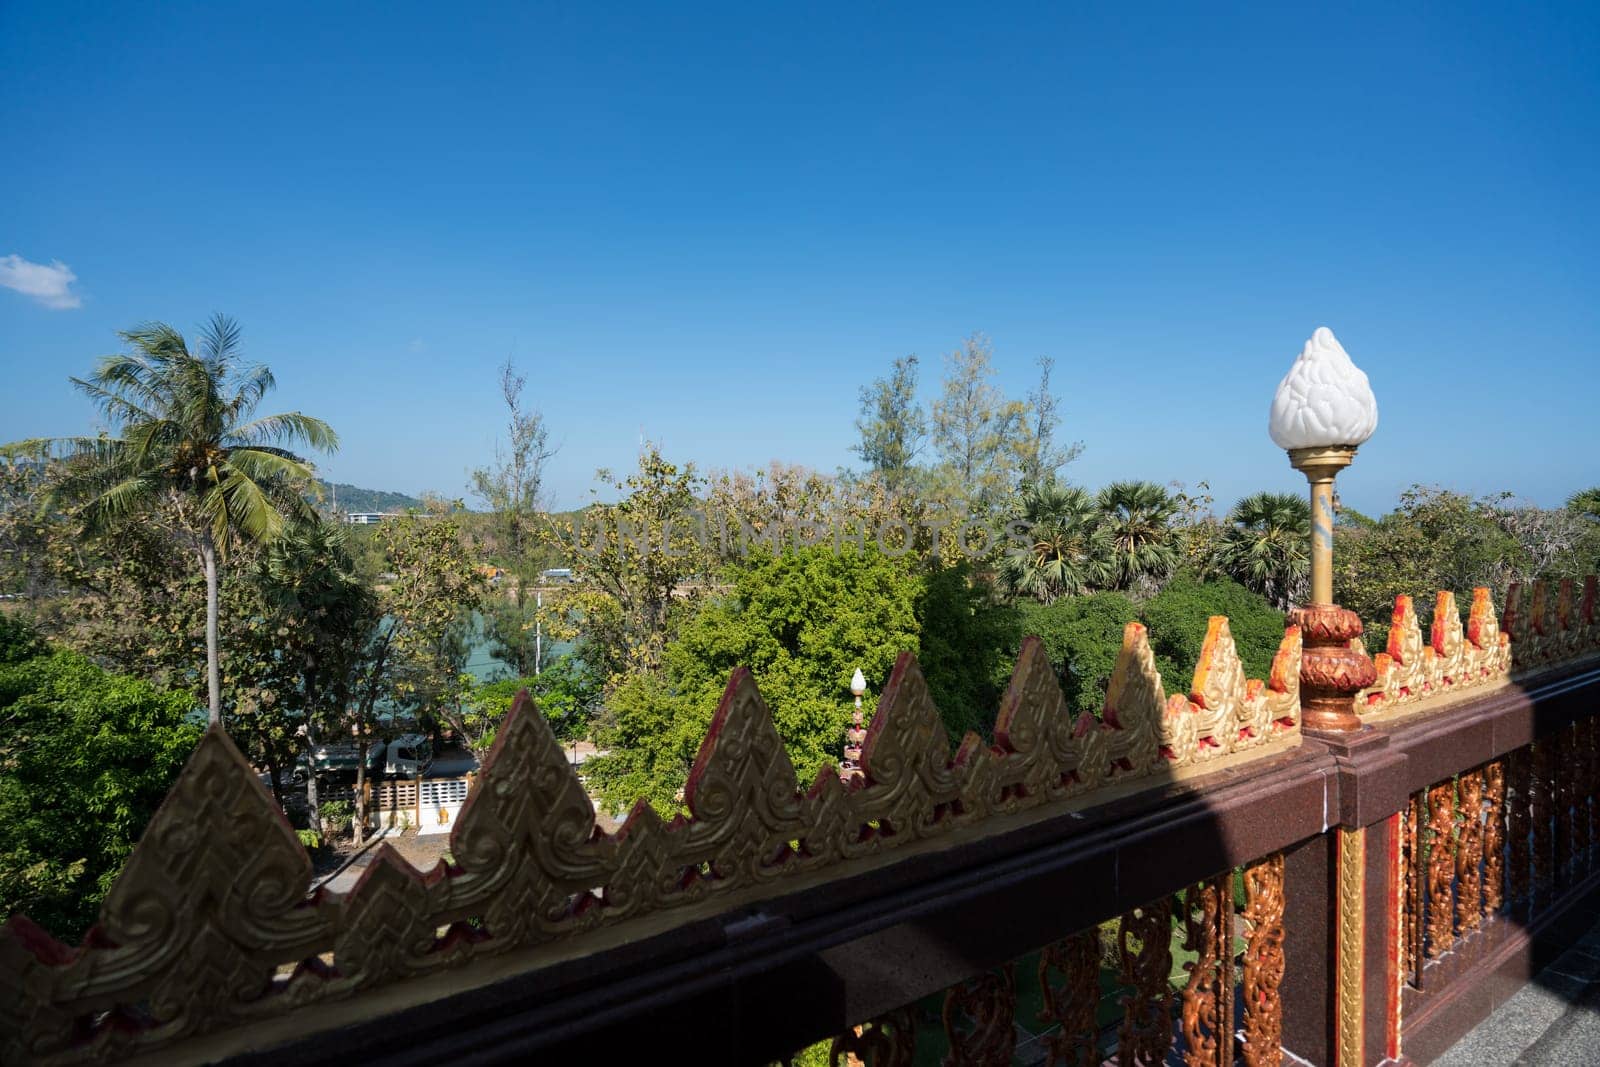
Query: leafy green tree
(1586, 503)
(1066, 553)
(186, 439)
(966, 646)
(1178, 616)
(1134, 521)
(512, 487)
(85, 759)
(1266, 546)
(1436, 539)
(633, 561)
(1039, 458)
(892, 425)
(413, 657)
(566, 694)
(975, 428)
(1082, 635)
(802, 621)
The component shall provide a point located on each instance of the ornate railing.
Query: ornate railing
(872, 911)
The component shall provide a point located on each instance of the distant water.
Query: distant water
(485, 666)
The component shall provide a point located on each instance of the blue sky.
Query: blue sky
(713, 224)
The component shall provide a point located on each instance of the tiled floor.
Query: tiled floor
(1553, 1020)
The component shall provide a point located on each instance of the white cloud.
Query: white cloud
(51, 284)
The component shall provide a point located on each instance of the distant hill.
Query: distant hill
(355, 498)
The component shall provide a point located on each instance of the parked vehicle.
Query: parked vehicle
(408, 755)
(339, 761)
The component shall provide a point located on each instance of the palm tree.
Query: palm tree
(1135, 521)
(183, 438)
(1266, 546)
(1065, 554)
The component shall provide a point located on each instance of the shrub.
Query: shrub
(1082, 636)
(1177, 618)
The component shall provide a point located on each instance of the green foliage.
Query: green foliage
(802, 621)
(1082, 636)
(85, 759)
(1134, 526)
(336, 815)
(965, 643)
(1434, 540)
(1065, 554)
(1266, 546)
(18, 641)
(1178, 616)
(565, 693)
(309, 839)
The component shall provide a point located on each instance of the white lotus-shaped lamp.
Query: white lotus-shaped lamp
(858, 683)
(1323, 411)
(1325, 401)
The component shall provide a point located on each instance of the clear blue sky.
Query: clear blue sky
(716, 223)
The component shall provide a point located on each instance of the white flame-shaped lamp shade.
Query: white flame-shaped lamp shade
(858, 682)
(1325, 401)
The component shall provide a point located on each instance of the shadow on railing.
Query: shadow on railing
(837, 909)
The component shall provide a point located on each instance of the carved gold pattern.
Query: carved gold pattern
(1072, 1000)
(1412, 673)
(1144, 946)
(209, 926)
(1412, 909)
(1263, 963)
(980, 1019)
(1441, 867)
(1494, 835)
(1550, 630)
(1469, 853)
(1207, 1000)
(1350, 951)
(887, 1041)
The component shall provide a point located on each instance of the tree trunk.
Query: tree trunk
(358, 825)
(208, 556)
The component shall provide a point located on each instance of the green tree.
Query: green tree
(1435, 539)
(1039, 457)
(1266, 546)
(1082, 635)
(975, 428)
(1064, 553)
(565, 693)
(1134, 522)
(512, 487)
(892, 425)
(85, 759)
(411, 662)
(1178, 616)
(633, 561)
(185, 438)
(802, 621)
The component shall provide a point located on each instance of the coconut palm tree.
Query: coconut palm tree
(1065, 554)
(1135, 520)
(184, 438)
(1266, 546)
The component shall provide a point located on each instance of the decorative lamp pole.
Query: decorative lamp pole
(1323, 411)
(850, 769)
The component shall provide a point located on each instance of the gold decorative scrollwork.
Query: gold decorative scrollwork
(1144, 945)
(1072, 1000)
(979, 1019)
(1263, 963)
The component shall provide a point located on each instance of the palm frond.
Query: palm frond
(288, 428)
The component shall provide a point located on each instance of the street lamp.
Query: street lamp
(1323, 411)
(855, 734)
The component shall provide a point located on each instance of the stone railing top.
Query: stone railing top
(209, 929)
(1539, 632)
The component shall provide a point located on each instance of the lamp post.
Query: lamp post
(850, 768)
(1323, 411)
